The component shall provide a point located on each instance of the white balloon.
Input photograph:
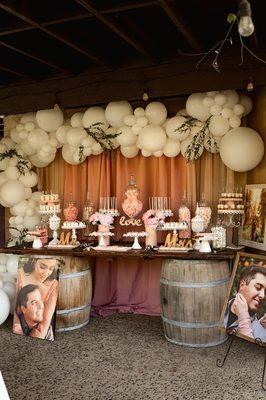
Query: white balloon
(208, 101)
(139, 112)
(12, 192)
(241, 149)
(215, 109)
(5, 306)
(130, 120)
(37, 162)
(220, 99)
(33, 203)
(19, 220)
(227, 112)
(10, 289)
(172, 127)
(88, 141)
(23, 134)
(13, 162)
(212, 93)
(129, 151)
(36, 196)
(234, 121)
(37, 138)
(239, 109)
(125, 136)
(12, 221)
(14, 134)
(96, 149)
(30, 212)
(3, 164)
(172, 148)
(78, 158)
(3, 147)
(87, 151)
(28, 117)
(61, 133)
(247, 103)
(20, 127)
(68, 153)
(195, 130)
(29, 179)
(76, 120)
(3, 178)
(116, 111)
(182, 112)
(219, 125)
(12, 264)
(95, 115)
(47, 148)
(27, 148)
(158, 153)
(20, 208)
(31, 222)
(54, 142)
(142, 121)
(146, 153)
(232, 98)
(156, 113)
(29, 126)
(152, 138)
(28, 193)
(136, 129)
(12, 173)
(75, 136)
(195, 107)
(8, 142)
(49, 120)
(7, 277)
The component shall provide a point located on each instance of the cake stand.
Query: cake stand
(74, 226)
(234, 217)
(136, 235)
(101, 235)
(173, 226)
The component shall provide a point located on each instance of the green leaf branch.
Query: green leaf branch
(23, 165)
(97, 132)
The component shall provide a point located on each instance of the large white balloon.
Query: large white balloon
(61, 133)
(241, 149)
(172, 148)
(29, 179)
(4, 306)
(129, 151)
(76, 120)
(75, 136)
(172, 128)
(37, 138)
(49, 120)
(20, 208)
(116, 111)
(27, 148)
(126, 137)
(12, 192)
(152, 138)
(68, 154)
(195, 107)
(156, 113)
(219, 125)
(95, 115)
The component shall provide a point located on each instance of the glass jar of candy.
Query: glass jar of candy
(71, 211)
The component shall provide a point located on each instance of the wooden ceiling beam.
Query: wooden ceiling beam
(11, 71)
(33, 57)
(179, 21)
(113, 26)
(59, 38)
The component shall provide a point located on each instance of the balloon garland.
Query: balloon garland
(211, 121)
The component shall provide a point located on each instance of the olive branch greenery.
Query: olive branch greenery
(187, 125)
(21, 239)
(97, 132)
(192, 151)
(23, 165)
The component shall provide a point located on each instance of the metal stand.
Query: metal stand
(220, 362)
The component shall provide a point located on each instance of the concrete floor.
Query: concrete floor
(126, 357)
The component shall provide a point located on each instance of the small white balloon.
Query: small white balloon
(28, 193)
(208, 101)
(116, 111)
(29, 179)
(12, 173)
(219, 125)
(19, 220)
(139, 112)
(12, 264)
(23, 134)
(136, 129)
(158, 153)
(29, 126)
(20, 208)
(235, 121)
(3, 178)
(195, 107)
(20, 127)
(129, 151)
(156, 113)
(172, 128)
(76, 120)
(49, 120)
(130, 120)
(31, 222)
(96, 149)
(142, 121)
(190, 152)
(212, 93)
(87, 151)
(12, 192)
(216, 109)
(125, 136)
(28, 117)
(152, 138)
(227, 112)
(239, 109)
(95, 115)
(61, 133)
(182, 112)
(146, 153)
(211, 143)
(75, 136)
(220, 99)
(232, 98)
(37, 138)
(30, 212)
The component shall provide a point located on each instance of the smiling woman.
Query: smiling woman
(37, 278)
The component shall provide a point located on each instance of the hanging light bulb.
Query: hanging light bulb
(250, 85)
(145, 96)
(245, 25)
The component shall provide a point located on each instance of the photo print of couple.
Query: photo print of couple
(36, 297)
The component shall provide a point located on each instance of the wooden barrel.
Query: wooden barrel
(74, 298)
(192, 298)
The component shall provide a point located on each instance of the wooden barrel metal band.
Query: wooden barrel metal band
(194, 284)
(70, 310)
(209, 344)
(194, 325)
(75, 275)
(72, 328)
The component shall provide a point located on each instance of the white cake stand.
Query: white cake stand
(173, 226)
(74, 227)
(136, 235)
(101, 235)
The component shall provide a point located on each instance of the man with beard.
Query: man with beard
(241, 311)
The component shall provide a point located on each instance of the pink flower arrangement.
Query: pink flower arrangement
(101, 219)
(153, 218)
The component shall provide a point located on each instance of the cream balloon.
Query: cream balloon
(27, 148)
(241, 149)
(158, 153)
(239, 109)
(152, 138)
(76, 121)
(136, 129)
(129, 151)
(12, 192)
(116, 111)
(30, 223)
(130, 120)
(5, 306)
(208, 101)
(247, 103)
(88, 141)
(14, 134)
(19, 219)
(29, 179)
(20, 127)
(142, 121)
(29, 126)
(3, 178)
(61, 133)
(49, 120)
(67, 154)
(125, 136)
(216, 109)
(172, 148)
(20, 208)
(12, 264)
(227, 112)
(12, 173)
(96, 149)
(146, 153)
(156, 113)
(37, 162)
(195, 107)
(220, 99)
(13, 162)
(234, 121)
(182, 112)
(37, 138)
(28, 193)
(219, 125)
(28, 117)
(95, 115)
(172, 128)
(232, 98)
(139, 112)
(75, 136)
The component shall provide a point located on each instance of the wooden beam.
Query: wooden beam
(181, 24)
(13, 72)
(33, 57)
(162, 81)
(113, 26)
(59, 38)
